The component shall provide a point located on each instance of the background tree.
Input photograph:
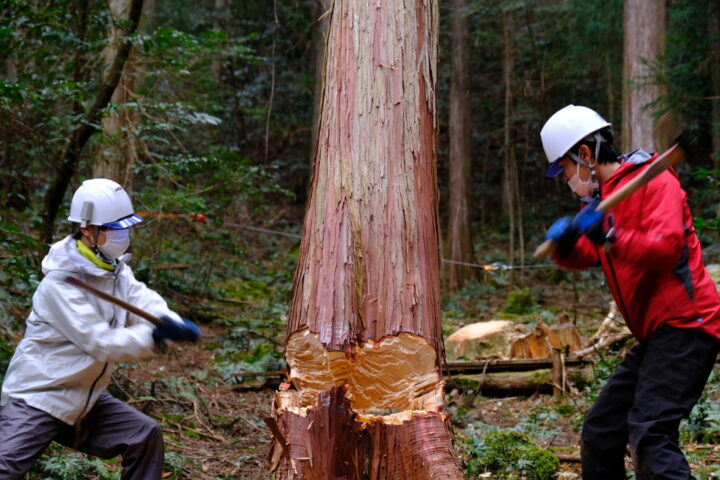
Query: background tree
(364, 329)
(459, 244)
(644, 43)
(119, 127)
(511, 185)
(71, 156)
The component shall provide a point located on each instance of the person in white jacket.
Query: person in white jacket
(54, 388)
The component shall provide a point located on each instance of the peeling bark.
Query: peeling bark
(364, 344)
(348, 445)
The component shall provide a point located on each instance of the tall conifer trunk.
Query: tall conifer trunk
(644, 39)
(459, 237)
(364, 343)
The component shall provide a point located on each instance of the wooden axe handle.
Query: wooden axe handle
(671, 157)
(116, 301)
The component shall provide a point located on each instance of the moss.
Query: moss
(519, 302)
(510, 454)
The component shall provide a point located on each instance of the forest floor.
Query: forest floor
(217, 428)
(213, 419)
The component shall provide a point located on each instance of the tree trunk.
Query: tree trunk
(116, 160)
(13, 183)
(644, 39)
(714, 31)
(510, 177)
(459, 242)
(69, 160)
(364, 344)
(220, 20)
(320, 12)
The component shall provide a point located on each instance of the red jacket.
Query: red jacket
(654, 269)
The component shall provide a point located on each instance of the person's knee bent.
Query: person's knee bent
(9, 470)
(589, 435)
(152, 432)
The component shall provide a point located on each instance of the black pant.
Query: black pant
(655, 386)
(111, 428)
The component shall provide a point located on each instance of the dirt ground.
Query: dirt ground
(218, 429)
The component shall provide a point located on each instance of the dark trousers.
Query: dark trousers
(111, 428)
(654, 387)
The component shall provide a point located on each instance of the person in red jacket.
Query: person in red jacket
(652, 260)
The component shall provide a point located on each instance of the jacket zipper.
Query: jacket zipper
(92, 387)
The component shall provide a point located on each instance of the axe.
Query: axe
(116, 301)
(667, 125)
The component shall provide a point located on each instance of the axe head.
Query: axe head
(670, 130)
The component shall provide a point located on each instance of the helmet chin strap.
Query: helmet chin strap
(593, 176)
(94, 246)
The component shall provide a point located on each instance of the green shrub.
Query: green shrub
(519, 302)
(510, 455)
(59, 463)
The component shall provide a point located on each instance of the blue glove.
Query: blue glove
(185, 331)
(590, 222)
(564, 233)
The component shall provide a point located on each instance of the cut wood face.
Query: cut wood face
(383, 378)
(481, 340)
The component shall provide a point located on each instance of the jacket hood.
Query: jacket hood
(631, 162)
(64, 256)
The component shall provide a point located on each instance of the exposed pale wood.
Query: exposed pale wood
(396, 373)
(604, 342)
(606, 326)
(481, 340)
(558, 369)
(533, 345)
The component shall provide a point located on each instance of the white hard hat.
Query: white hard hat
(566, 128)
(102, 202)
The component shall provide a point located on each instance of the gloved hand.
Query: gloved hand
(564, 233)
(590, 222)
(170, 329)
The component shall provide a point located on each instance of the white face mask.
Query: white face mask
(584, 188)
(116, 243)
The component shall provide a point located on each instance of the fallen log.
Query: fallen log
(455, 368)
(512, 365)
(503, 384)
(568, 457)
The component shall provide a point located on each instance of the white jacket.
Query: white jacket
(73, 338)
